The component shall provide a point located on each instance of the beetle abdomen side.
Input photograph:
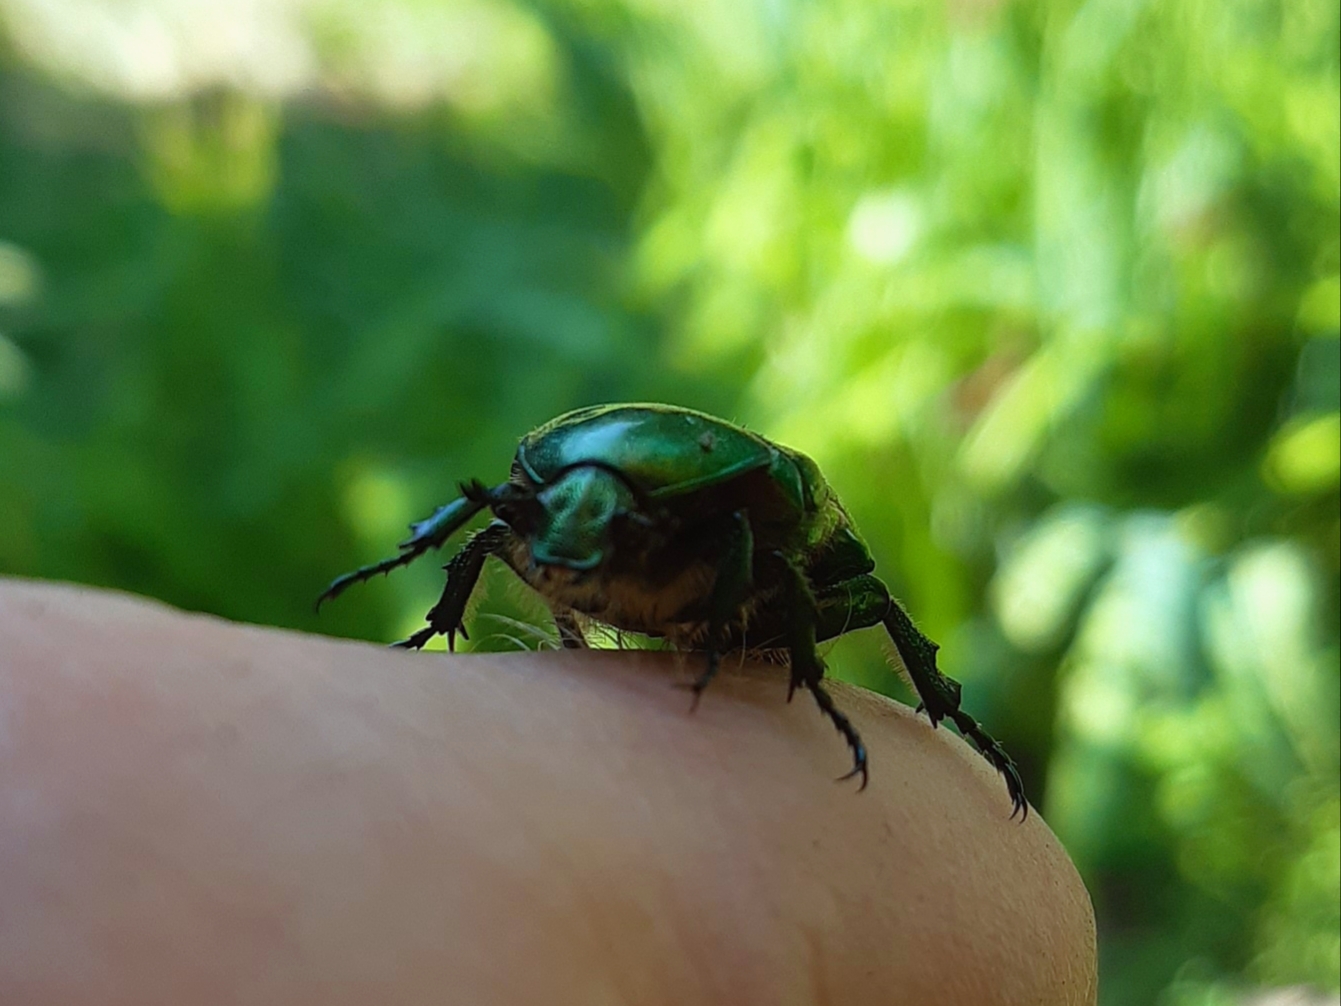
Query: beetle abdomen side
(629, 602)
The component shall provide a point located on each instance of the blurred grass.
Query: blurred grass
(1049, 289)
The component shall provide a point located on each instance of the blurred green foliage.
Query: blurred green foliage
(1049, 288)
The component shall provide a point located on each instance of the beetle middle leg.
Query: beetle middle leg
(735, 575)
(463, 573)
(802, 612)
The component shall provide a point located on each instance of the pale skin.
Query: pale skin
(199, 812)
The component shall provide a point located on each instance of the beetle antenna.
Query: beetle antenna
(477, 492)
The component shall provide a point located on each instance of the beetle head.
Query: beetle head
(575, 516)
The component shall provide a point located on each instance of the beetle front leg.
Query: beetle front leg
(807, 667)
(463, 573)
(735, 575)
(428, 533)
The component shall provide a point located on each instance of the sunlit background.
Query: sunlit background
(1050, 289)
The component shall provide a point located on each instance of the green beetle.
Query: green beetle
(669, 522)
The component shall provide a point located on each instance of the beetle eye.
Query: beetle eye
(518, 514)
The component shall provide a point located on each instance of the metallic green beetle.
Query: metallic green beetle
(664, 521)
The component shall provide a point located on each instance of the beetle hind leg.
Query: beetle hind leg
(991, 749)
(940, 697)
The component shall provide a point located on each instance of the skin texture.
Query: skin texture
(196, 811)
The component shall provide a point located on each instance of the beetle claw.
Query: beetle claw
(416, 641)
(844, 726)
(690, 686)
(991, 749)
(857, 769)
(700, 684)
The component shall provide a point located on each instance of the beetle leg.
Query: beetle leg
(840, 607)
(424, 535)
(463, 572)
(807, 666)
(735, 574)
(570, 633)
(844, 727)
(940, 697)
(847, 605)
